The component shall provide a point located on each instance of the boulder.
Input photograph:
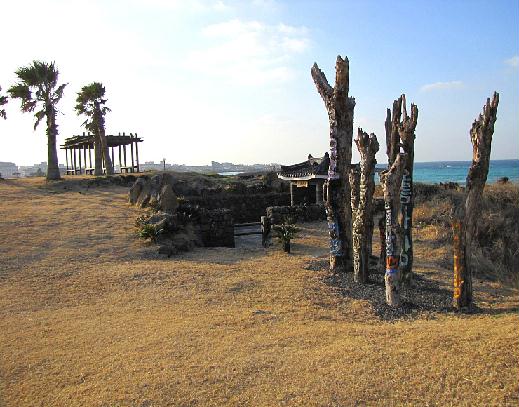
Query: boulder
(155, 193)
(167, 199)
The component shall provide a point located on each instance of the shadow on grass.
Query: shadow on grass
(425, 298)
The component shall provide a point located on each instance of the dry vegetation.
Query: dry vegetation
(91, 316)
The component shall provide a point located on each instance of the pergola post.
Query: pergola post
(79, 154)
(66, 159)
(137, 152)
(131, 151)
(75, 162)
(84, 156)
(113, 162)
(318, 192)
(120, 163)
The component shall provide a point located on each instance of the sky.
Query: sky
(229, 81)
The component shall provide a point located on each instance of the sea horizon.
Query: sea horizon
(434, 172)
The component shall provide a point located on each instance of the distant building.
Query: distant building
(8, 170)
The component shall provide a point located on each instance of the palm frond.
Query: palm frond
(39, 116)
(3, 101)
(58, 93)
(20, 91)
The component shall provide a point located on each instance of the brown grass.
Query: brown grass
(90, 316)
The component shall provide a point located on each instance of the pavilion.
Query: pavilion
(310, 175)
(76, 148)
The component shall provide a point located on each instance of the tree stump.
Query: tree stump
(406, 132)
(362, 232)
(337, 188)
(391, 180)
(481, 137)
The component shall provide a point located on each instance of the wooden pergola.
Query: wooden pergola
(78, 147)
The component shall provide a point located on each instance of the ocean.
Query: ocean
(456, 171)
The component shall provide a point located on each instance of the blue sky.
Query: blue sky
(225, 80)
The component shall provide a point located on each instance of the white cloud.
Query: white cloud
(442, 86)
(513, 62)
(249, 52)
(184, 5)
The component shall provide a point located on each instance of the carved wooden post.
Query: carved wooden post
(368, 147)
(354, 177)
(406, 131)
(392, 150)
(462, 285)
(382, 234)
(337, 188)
(392, 136)
(481, 138)
(391, 180)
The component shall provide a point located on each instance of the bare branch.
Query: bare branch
(323, 87)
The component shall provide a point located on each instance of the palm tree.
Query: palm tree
(38, 90)
(90, 102)
(3, 101)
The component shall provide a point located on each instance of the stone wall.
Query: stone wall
(244, 208)
(299, 213)
(246, 201)
(214, 227)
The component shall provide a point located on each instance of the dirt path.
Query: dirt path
(90, 316)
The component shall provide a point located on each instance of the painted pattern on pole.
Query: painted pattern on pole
(406, 201)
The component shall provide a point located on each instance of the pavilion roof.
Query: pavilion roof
(311, 167)
(87, 140)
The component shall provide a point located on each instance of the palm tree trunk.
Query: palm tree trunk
(98, 156)
(52, 154)
(106, 152)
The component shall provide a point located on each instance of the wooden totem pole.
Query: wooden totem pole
(362, 224)
(400, 134)
(406, 132)
(391, 180)
(466, 218)
(392, 151)
(337, 188)
(355, 190)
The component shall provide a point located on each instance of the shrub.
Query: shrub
(148, 231)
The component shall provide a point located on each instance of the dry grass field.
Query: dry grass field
(91, 316)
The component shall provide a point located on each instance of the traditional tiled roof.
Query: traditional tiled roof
(311, 167)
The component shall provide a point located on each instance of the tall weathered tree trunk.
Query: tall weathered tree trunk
(392, 135)
(382, 235)
(406, 131)
(368, 147)
(338, 206)
(52, 154)
(392, 151)
(355, 189)
(462, 284)
(391, 180)
(481, 138)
